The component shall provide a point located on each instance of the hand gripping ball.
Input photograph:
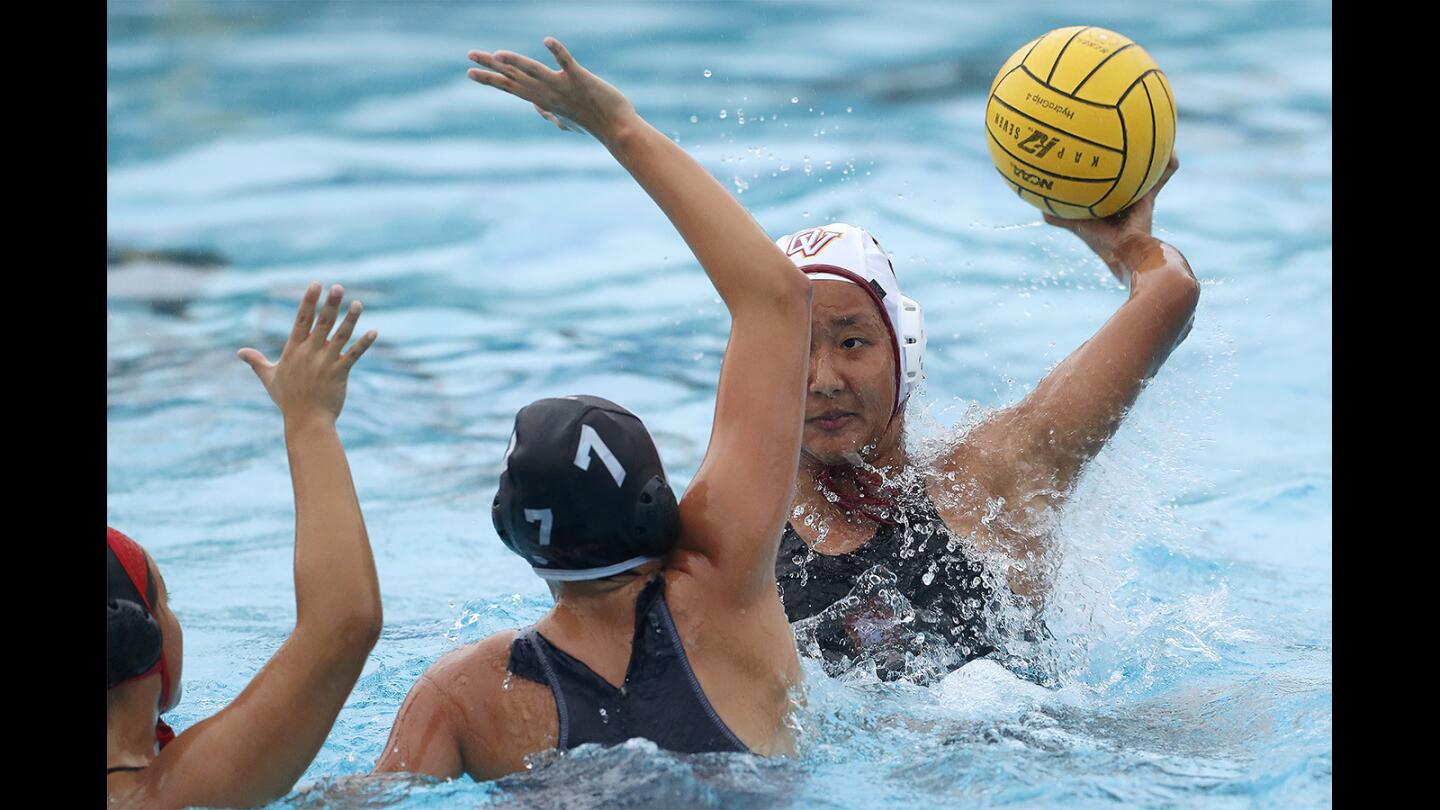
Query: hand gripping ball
(1081, 122)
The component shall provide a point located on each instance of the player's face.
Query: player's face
(851, 388)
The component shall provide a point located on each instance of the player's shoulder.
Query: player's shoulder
(464, 663)
(466, 669)
(987, 451)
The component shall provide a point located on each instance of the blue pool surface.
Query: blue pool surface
(503, 261)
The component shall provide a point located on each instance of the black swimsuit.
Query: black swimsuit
(660, 700)
(907, 584)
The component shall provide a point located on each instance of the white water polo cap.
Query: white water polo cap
(841, 252)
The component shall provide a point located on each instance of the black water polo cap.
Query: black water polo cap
(583, 494)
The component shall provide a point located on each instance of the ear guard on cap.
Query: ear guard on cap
(132, 641)
(656, 513)
(655, 519)
(499, 524)
(912, 344)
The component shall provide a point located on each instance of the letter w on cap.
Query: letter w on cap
(811, 241)
(590, 440)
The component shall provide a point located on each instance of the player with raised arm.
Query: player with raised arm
(886, 555)
(252, 751)
(666, 623)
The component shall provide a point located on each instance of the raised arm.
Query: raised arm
(1032, 454)
(734, 509)
(253, 750)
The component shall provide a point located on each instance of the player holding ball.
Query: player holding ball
(903, 563)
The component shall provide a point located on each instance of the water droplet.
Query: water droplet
(509, 679)
(694, 119)
(604, 716)
(794, 99)
(849, 109)
(706, 74)
(723, 113)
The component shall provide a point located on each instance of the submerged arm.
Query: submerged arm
(734, 510)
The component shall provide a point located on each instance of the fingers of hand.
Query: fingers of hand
(562, 54)
(1170, 169)
(365, 342)
(551, 117)
(1123, 216)
(257, 362)
(493, 80)
(495, 76)
(526, 65)
(347, 326)
(1060, 222)
(328, 312)
(305, 316)
(504, 62)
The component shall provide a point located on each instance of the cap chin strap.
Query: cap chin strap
(862, 503)
(868, 506)
(164, 680)
(163, 733)
(579, 574)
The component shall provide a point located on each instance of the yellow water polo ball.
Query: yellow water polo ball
(1081, 122)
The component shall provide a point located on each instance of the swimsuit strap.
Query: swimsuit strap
(109, 771)
(660, 698)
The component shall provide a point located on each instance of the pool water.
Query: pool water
(254, 148)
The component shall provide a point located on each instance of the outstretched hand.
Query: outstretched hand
(1105, 236)
(571, 98)
(309, 379)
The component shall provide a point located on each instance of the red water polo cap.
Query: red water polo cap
(132, 559)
